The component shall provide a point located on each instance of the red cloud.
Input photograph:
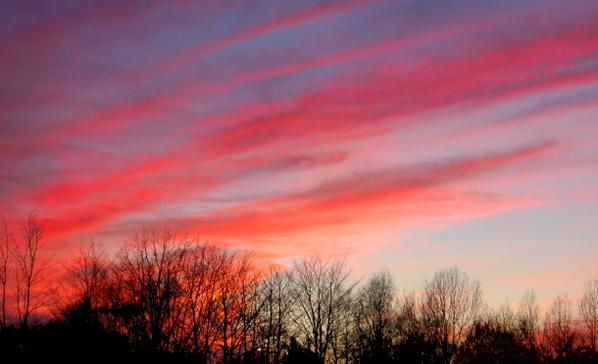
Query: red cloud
(373, 198)
(318, 128)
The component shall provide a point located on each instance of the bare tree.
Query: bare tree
(147, 275)
(179, 295)
(411, 342)
(30, 270)
(407, 322)
(251, 305)
(6, 241)
(505, 318)
(238, 307)
(450, 304)
(203, 271)
(374, 317)
(528, 318)
(201, 280)
(588, 310)
(342, 343)
(276, 313)
(321, 292)
(559, 334)
(87, 274)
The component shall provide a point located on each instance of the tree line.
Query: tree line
(162, 296)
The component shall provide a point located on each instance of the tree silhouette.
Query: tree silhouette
(322, 294)
(450, 304)
(588, 309)
(528, 318)
(559, 334)
(147, 281)
(87, 274)
(30, 270)
(6, 242)
(493, 340)
(374, 316)
(276, 313)
(163, 297)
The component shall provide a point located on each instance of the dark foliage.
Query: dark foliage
(78, 334)
(300, 355)
(491, 343)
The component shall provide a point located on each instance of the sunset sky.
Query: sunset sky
(407, 135)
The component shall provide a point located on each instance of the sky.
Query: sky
(407, 135)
